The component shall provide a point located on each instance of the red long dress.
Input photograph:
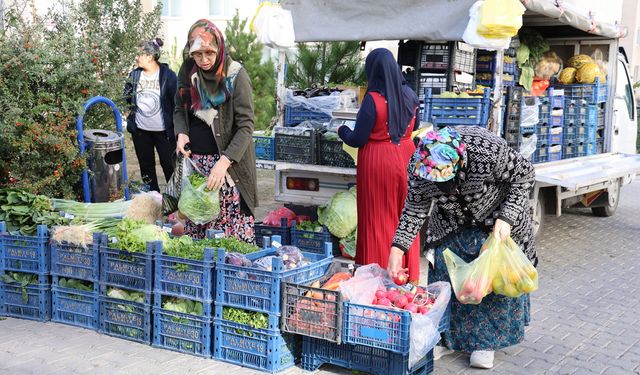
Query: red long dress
(381, 184)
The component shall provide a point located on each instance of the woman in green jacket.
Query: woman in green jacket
(214, 124)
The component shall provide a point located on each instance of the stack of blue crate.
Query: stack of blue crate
(550, 126)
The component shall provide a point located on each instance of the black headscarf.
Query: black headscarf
(384, 77)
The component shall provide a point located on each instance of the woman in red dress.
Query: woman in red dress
(382, 135)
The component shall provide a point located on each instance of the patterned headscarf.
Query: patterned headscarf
(207, 88)
(439, 156)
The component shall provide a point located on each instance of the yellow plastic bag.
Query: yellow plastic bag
(515, 274)
(472, 281)
(500, 18)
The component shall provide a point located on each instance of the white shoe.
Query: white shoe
(440, 351)
(481, 359)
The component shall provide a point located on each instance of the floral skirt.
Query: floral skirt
(231, 220)
(497, 322)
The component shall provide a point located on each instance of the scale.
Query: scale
(342, 117)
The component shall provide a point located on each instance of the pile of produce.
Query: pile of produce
(419, 302)
(133, 235)
(76, 284)
(184, 306)
(253, 319)
(581, 69)
(529, 53)
(22, 280)
(197, 202)
(187, 248)
(274, 218)
(340, 216)
(126, 295)
(348, 245)
(23, 211)
(291, 257)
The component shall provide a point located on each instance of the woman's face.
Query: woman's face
(205, 59)
(143, 60)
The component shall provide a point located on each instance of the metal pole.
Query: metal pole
(497, 93)
(281, 90)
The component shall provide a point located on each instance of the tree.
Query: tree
(49, 66)
(325, 63)
(244, 47)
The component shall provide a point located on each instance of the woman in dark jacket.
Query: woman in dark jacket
(214, 116)
(478, 185)
(150, 93)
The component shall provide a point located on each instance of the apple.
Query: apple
(401, 279)
(384, 301)
(393, 294)
(410, 296)
(412, 307)
(401, 301)
(423, 309)
(420, 291)
(381, 294)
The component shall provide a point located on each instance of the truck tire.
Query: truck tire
(537, 214)
(610, 208)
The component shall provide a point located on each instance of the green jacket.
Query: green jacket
(233, 132)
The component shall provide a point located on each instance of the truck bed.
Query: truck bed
(578, 173)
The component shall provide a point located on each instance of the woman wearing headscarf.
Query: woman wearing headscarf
(382, 134)
(478, 185)
(150, 93)
(214, 124)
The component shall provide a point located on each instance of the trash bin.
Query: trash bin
(106, 170)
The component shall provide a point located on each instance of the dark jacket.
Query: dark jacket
(233, 132)
(494, 184)
(168, 84)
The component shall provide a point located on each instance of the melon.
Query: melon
(578, 61)
(568, 76)
(588, 73)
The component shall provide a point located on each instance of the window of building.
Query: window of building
(171, 8)
(221, 8)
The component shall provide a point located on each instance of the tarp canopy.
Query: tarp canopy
(342, 20)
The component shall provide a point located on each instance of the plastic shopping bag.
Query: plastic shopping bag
(515, 274)
(424, 328)
(500, 18)
(274, 26)
(474, 39)
(472, 281)
(198, 203)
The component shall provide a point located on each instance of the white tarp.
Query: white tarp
(338, 20)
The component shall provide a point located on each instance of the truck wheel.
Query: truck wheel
(537, 214)
(612, 205)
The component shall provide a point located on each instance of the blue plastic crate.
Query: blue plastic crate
(265, 147)
(555, 155)
(382, 328)
(294, 116)
(575, 119)
(490, 67)
(572, 150)
(591, 148)
(36, 305)
(258, 290)
(576, 107)
(555, 136)
(310, 241)
(125, 319)
(551, 101)
(185, 333)
(260, 349)
(75, 261)
(545, 119)
(593, 93)
(261, 231)
(185, 278)
(75, 307)
(316, 352)
(133, 271)
(25, 253)
(456, 111)
(595, 115)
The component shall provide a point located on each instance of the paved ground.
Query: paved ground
(585, 316)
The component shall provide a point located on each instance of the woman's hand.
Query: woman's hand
(395, 262)
(218, 173)
(501, 230)
(183, 139)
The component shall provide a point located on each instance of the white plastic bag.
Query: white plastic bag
(528, 145)
(472, 37)
(326, 104)
(530, 112)
(362, 287)
(424, 328)
(273, 26)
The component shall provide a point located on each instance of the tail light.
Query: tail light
(299, 183)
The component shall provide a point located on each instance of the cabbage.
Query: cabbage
(340, 216)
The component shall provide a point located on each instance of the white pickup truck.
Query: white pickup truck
(591, 181)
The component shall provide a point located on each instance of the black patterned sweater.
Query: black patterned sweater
(495, 182)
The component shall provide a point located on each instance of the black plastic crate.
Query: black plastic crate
(330, 153)
(447, 57)
(296, 145)
(436, 82)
